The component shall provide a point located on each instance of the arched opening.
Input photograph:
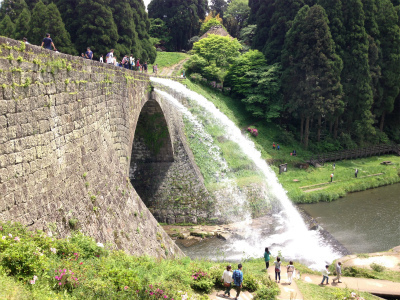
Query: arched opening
(152, 153)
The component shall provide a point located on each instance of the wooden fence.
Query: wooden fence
(354, 153)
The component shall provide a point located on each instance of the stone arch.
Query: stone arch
(152, 152)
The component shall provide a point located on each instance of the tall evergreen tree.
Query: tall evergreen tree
(68, 12)
(98, 29)
(182, 18)
(389, 36)
(22, 24)
(12, 8)
(356, 77)
(282, 18)
(7, 27)
(218, 7)
(236, 16)
(262, 14)
(311, 78)
(55, 26)
(37, 25)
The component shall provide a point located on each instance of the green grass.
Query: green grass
(316, 292)
(385, 274)
(102, 273)
(270, 133)
(167, 59)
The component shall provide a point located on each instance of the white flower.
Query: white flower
(3, 237)
(54, 250)
(10, 235)
(16, 239)
(100, 245)
(32, 281)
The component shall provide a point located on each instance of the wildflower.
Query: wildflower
(16, 239)
(81, 263)
(32, 281)
(126, 287)
(35, 278)
(54, 250)
(3, 237)
(10, 235)
(165, 296)
(100, 245)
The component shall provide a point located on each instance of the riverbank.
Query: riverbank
(309, 184)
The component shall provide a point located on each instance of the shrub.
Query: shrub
(201, 281)
(358, 272)
(377, 267)
(267, 293)
(250, 283)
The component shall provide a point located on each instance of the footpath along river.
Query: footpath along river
(363, 222)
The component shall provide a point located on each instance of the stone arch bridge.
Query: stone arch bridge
(74, 136)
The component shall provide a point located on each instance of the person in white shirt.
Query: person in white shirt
(101, 59)
(325, 275)
(290, 271)
(110, 56)
(227, 279)
(132, 61)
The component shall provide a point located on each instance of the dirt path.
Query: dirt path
(288, 292)
(373, 286)
(169, 71)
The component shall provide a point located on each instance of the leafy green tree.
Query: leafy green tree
(182, 18)
(98, 30)
(68, 10)
(38, 24)
(247, 34)
(389, 37)
(12, 8)
(262, 15)
(218, 7)
(22, 24)
(55, 26)
(7, 27)
(236, 15)
(281, 21)
(356, 77)
(257, 85)
(254, 9)
(311, 76)
(195, 64)
(218, 49)
(159, 30)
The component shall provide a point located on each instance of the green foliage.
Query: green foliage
(7, 27)
(236, 16)
(38, 24)
(182, 18)
(159, 30)
(12, 8)
(377, 267)
(22, 24)
(208, 24)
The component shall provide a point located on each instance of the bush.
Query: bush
(250, 283)
(377, 268)
(201, 281)
(267, 293)
(358, 272)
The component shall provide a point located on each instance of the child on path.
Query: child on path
(332, 177)
(290, 271)
(277, 264)
(238, 280)
(325, 275)
(356, 173)
(267, 258)
(227, 279)
(278, 147)
(273, 146)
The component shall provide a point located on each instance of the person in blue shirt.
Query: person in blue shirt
(89, 53)
(48, 42)
(238, 280)
(267, 258)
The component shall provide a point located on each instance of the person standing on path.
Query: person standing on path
(356, 173)
(290, 271)
(277, 264)
(334, 166)
(132, 61)
(48, 42)
(267, 258)
(273, 146)
(238, 280)
(101, 59)
(325, 275)
(278, 147)
(227, 279)
(338, 271)
(332, 177)
(110, 57)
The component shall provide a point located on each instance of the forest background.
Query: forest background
(326, 71)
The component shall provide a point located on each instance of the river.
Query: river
(363, 222)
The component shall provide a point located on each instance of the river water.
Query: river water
(363, 222)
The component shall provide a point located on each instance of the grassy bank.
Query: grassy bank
(296, 178)
(315, 292)
(167, 59)
(35, 266)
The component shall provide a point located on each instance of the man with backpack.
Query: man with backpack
(238, 280)
(110, 57)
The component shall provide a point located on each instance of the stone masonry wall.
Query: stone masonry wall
(66, 131)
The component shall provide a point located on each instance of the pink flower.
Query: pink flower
(59, 283)
(125, 288)
(81, 263)
(151, 293)
(10, 235)
(32, 281)
(35, 277)
(3, 237)
(16, 239)
(165, 296)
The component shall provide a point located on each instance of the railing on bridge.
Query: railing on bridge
(321, 159)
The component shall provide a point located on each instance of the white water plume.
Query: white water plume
(295, 241)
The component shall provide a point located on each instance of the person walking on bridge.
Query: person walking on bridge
(48, 42)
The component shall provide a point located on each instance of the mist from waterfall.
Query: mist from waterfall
(291, 236)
